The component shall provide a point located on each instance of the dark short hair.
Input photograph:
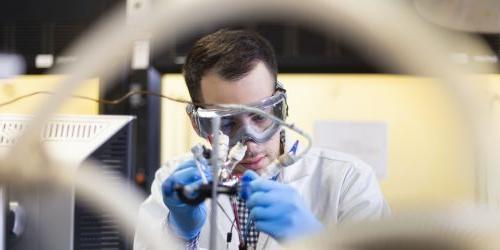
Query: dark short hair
(231, 53)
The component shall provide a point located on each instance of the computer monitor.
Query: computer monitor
(54, 218)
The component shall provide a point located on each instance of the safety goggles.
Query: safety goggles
(242, 126)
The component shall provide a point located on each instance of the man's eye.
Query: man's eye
(258, 118)
(227, 125)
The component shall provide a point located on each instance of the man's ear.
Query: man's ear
(286, 110)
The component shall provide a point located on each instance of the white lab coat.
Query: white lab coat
(338, 188)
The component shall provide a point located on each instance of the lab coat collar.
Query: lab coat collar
(299, 169)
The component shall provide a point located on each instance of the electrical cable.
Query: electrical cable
(230, 231)
(235, 212)
(229, 218)
(243, 108)
(224, 211)
(103, 101)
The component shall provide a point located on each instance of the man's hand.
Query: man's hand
(278, 210)
(185, 220)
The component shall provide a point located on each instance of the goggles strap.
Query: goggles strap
(282, 141)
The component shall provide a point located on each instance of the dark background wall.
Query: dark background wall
(32, 27)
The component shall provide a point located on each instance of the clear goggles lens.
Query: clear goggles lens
(244, 126)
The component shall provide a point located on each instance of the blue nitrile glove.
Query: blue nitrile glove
(278, 210)
(185, 220)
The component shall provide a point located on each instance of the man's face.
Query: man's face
(255, 86)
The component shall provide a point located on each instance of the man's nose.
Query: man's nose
(245, 119)
(251, 145)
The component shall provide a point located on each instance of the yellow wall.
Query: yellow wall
(22, 85)
(177, 135)
(429, 163)
(429, 160)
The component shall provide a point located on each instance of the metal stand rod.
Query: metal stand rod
(215, 182)
(4, 211)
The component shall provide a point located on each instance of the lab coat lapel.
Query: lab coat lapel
(263, 241)
(296, 171)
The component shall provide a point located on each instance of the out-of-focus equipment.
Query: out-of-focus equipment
(371, 25)
(45, 217)
(11, 65)
(460, 228)
(462, 15)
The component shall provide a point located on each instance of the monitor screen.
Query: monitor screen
(54, 217)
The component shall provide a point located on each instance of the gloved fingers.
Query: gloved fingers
(187, 176)
(184, 165)
(262, 185)
(269, 227)
(208, 172)
(245, 181)
(191, 189)
(192, 164)
(250, 175)
(204, 168)
(260, 199)
(266, 213)
(167, 187)
(182, 177)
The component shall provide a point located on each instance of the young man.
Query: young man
(324, 188)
